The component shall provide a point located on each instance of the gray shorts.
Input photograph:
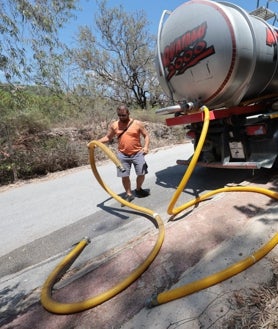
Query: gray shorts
(137, 160)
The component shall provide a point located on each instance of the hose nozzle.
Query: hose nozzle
(122, 169)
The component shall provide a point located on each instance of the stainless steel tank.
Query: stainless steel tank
(215, 53)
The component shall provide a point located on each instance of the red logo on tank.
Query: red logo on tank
(271, 37)
(186, 51)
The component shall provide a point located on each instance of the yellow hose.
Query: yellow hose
(215, 278)
(68, 308)
(191, 166)
(233, 269)
(118, 164)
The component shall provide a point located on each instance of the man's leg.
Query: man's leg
(139, 182)
(141, 169)
(139, 191)
(127, 185)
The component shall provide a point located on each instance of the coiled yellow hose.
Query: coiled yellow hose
(67, 308)
(235, 268)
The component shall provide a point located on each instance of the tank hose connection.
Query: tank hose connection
(230, 271)
(178, 109)
(188, 106)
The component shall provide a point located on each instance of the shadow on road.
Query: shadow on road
(202, 178)
(123, 213)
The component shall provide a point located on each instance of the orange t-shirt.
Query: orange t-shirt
(129, 143)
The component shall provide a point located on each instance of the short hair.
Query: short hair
(122, 107)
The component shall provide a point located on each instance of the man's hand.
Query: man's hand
(145, 150)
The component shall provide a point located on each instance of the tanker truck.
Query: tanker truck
(219, 55)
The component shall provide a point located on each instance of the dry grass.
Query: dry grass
(255, 308)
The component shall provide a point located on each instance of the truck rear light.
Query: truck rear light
(191, 134)
(256, 130)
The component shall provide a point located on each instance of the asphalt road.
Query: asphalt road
(42, 219)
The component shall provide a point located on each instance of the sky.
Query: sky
(153, 9)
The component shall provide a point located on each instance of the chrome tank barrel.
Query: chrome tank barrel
(215, 53)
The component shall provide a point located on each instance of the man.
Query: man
(130, 150)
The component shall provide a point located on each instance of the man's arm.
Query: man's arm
(109, 136)
(146, 136)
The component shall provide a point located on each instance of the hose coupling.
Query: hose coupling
(122, 169)
(88, 240)
(188, 106)
(152, 302)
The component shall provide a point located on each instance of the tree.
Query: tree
(30, 50)
(29, 34)
(120, 58)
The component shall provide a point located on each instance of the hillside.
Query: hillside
(38, 153)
